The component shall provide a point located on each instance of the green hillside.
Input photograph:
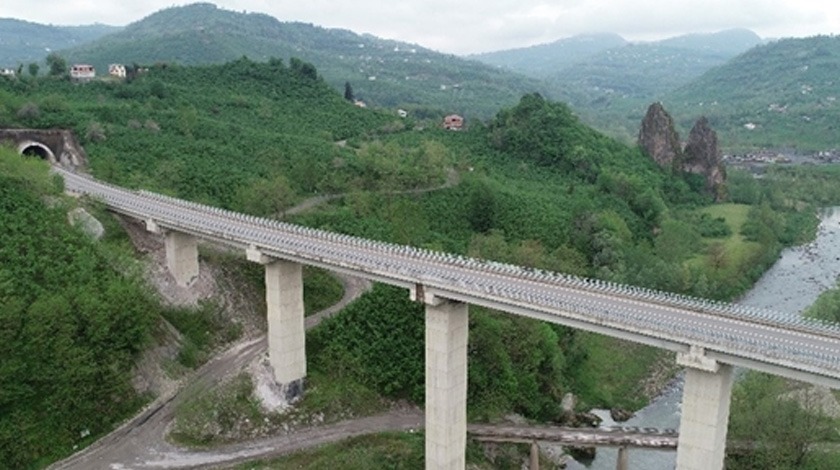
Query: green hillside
(74, 318)
(203, 132)
(780, 95)
(383, 73)
(23, 42)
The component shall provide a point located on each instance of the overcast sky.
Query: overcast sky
(467, 26)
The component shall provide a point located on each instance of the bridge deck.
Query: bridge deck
(757, 339)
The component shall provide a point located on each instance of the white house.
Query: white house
(116, 70)
(82, 72)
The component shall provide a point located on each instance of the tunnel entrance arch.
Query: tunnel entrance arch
(36, 149)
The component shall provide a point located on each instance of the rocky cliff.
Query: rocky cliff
(701, 155)
(658, 137)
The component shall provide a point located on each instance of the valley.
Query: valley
(245, 112)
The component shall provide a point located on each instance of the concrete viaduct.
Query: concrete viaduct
(710, 338)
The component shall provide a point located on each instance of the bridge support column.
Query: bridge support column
(181, 257)
(705, 412)
(446, 383)
(535, 456)
(622, 461)
(286, 333)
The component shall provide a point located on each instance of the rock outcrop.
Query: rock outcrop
(620, 415)
(701, 156)
(88, 223)
(658, 137)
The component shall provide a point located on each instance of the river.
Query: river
(789, 286)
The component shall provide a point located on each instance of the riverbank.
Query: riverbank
(792, 284)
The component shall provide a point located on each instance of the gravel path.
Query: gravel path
(140, 443)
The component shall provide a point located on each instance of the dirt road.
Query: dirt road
(141, 442)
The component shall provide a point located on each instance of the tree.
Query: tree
(303, 69)
(348, 92)
(781, 420)
(266, 197)
(33, 69)
(481, 209)
(491, 245)
(57, 65)
(677, 241)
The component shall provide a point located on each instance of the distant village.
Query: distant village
(79, 72)
(86, 72)
(771, 157)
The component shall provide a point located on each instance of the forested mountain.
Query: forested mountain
(645, 70)
(544, 60)
(23, 42)
(782, 94)
(610, 82)
(598, 63)
(381, 72)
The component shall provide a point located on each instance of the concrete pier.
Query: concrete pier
(181, 257)
(286, 334)
(446, 384)
(535, 456)
(705, 412)
(622, 461)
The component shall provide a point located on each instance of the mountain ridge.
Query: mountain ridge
(385, 73)
(543, 60)
(23, 42)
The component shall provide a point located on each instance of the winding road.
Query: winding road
(141, 442)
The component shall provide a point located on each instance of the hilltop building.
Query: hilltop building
(7, 72)
(453, 122)
(82, 72)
